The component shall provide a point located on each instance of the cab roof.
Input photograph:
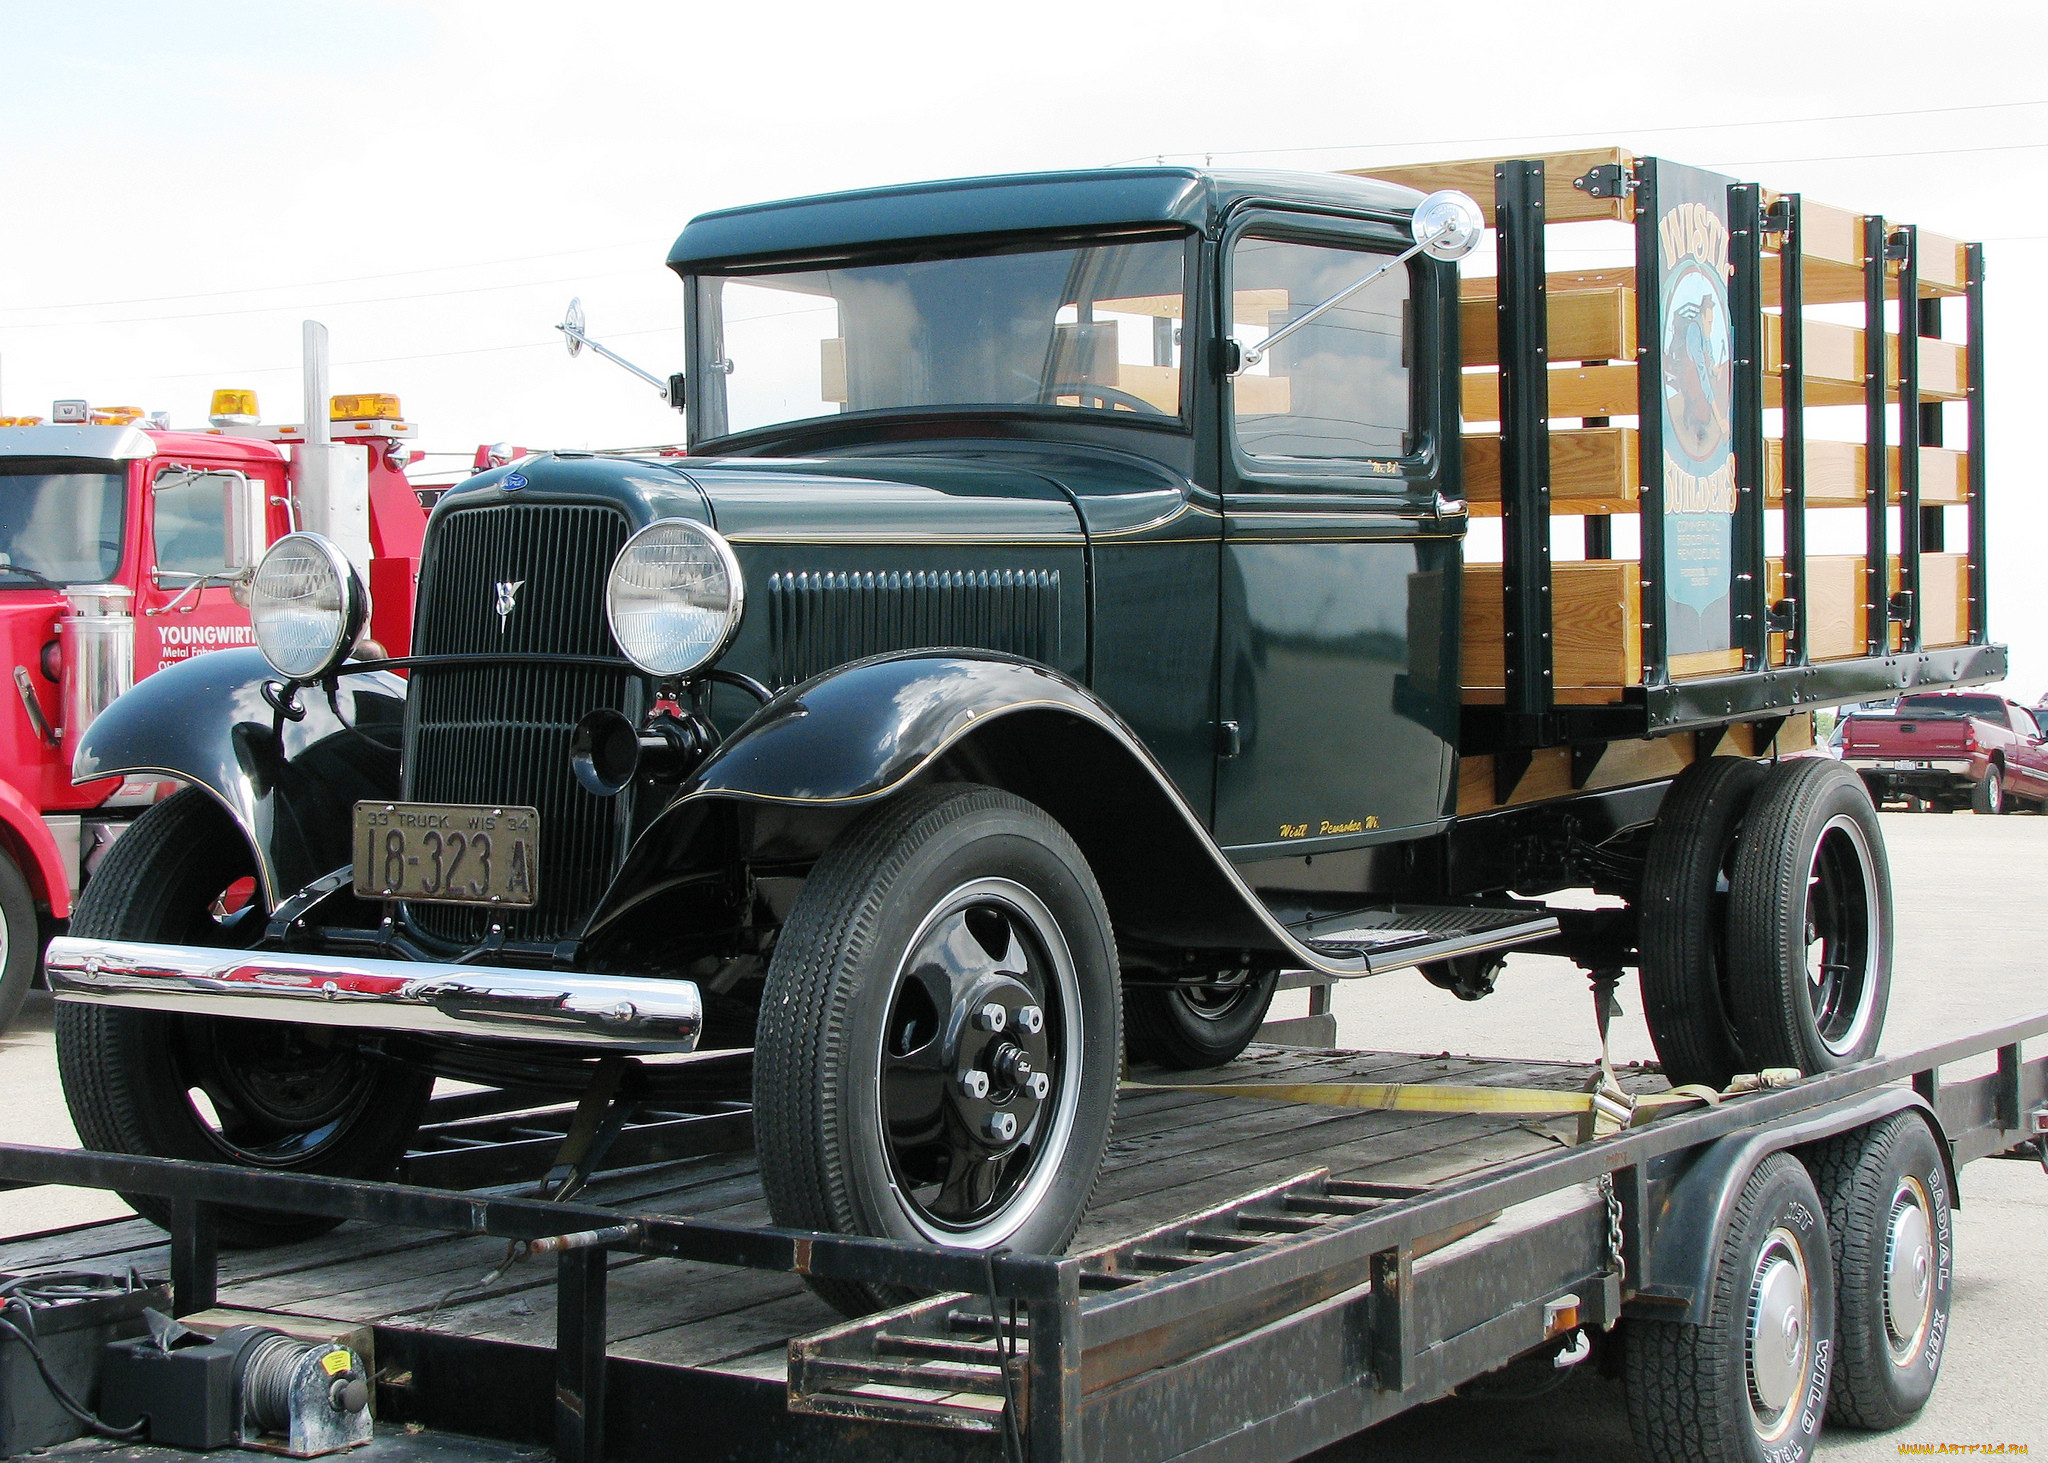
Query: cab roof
(1194, 198)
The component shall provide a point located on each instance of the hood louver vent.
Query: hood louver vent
(818, 620)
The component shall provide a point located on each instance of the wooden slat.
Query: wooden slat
(1944, 599)
(1834, 474)
(1585, 325)
(1834, 358)
(1592, 470)
(1635, 759)
(1834, 605)
(1562, 203)
(1596, 631)
(1575, 391)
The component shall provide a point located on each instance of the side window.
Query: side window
(2023, 722)
(191, 523)
(1337, 388)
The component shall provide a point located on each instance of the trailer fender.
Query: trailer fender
(27, 840)
(1682, 1232)
(817, 755)
(290, 785)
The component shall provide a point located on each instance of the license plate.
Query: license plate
(447, 853)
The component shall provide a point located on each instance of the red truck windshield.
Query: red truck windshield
(60, 522)
(1987, 706)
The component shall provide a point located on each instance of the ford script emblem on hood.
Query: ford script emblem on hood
(508, 599)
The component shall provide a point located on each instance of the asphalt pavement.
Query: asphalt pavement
(1971, 895)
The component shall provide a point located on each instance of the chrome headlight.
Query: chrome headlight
(675, 597)
(307, 606)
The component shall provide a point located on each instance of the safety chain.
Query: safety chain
(1614, 1255)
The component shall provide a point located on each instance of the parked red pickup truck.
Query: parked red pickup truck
(1950, 749)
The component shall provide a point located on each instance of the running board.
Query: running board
(1377, 939)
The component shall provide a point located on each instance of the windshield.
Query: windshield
(1089, 328)
(61, 522)
(1991, 706)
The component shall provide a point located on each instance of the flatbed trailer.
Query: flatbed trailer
(1256, 1279)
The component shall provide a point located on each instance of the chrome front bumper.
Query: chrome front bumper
(380, 995)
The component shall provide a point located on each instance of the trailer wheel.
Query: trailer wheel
(1890, 1228)
(1191, 1027)
(1683, 904)
(21, 938)
(216, 1089)
(1750, 1384)
(1988, 796)
(1810, 922)
(940, 1034)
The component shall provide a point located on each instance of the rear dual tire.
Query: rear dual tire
(1766, 921)
(1196, 1027)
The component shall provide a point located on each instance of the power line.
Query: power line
(1591, 131)
(1859, 157)
(481, 350)
(485, 289)
(257, 289)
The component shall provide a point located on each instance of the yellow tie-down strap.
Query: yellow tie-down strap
(1603, 1111)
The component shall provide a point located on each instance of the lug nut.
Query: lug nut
(974, 1084)
(1001, 1126)
(1040, 1085)
(991, 1017)
(1030, 1020)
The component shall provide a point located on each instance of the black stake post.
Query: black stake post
(580, 1355)
(1650, 423)
(1877, 576)
(1792, 342)
(1524, 448)
(1906, 604)
(1746, 306)
(1973, 300)
(195, 1256)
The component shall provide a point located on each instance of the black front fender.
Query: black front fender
(819, 753)
(291, 785)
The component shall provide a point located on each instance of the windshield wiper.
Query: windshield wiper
(35, 575)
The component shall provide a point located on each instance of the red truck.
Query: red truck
(1950, 750)
(125, 545)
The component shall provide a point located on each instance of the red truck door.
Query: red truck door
(2027, 760)
(177, 614)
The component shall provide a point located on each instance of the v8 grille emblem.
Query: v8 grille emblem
(508, 599)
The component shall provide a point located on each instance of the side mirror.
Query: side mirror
(1447, 225)
(244, 519)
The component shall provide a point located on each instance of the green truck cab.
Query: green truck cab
(1051, 635)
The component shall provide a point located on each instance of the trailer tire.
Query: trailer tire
(1749, 1384)
(1988, 796)
(282, 1097)
(1192, 1028)
(1892, 1233)
(1683, 904)
(881, 1075)
(1810, 922)
(21, 938)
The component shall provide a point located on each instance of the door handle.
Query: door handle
(1443, 507)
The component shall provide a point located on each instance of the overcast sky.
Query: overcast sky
(184, 183)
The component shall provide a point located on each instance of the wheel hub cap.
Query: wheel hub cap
(1777, 1330)
(1908, 1272)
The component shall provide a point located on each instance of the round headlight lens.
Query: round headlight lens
(307, 606)
(675, 597)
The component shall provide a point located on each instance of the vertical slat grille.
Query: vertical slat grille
(500, 734)
(821, 619)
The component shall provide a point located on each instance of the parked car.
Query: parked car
(1951, 749)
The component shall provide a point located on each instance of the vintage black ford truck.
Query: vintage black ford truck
(1060, 625)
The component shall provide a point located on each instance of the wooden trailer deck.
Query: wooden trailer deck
(1173, 1153)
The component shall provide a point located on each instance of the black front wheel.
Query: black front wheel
(936, 1058)
(215, 1089)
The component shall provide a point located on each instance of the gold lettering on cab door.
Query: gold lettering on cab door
(1328, 828)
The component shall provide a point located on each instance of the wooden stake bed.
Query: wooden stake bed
(1599, 466)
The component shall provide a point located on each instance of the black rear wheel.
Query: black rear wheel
(1988, 796)
(1810, 922)
(1191, 1027)
(216, 1089)
(1684, 908)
